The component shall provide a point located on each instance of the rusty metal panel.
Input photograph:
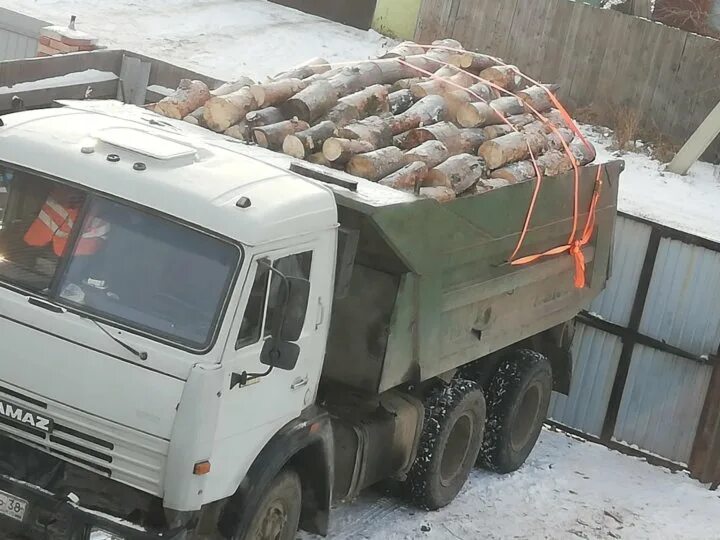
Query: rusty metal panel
(596, 355)
(705, 460)
(18, 35)
(683, 299)
(660, 409)
(616, 301)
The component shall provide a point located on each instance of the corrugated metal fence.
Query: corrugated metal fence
(646, 350)
(18, 35)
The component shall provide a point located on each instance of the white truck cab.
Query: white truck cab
(125, 352)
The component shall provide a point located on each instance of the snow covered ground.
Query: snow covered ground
(221, 38)
(568, 488)
(690, 203)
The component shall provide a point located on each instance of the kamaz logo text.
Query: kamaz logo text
(23, 416)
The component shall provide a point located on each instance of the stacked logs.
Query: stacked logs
(439, 121)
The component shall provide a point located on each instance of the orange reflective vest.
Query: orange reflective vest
(54, 224)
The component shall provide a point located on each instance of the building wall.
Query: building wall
(397, 18)
(19, 35)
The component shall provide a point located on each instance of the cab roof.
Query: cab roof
(171, 166)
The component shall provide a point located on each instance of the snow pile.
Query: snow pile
(89, 76)
(690, 203)
(567, 489)
(220, 38)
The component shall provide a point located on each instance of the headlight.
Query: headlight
(102, 534)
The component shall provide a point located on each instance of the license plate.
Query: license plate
(12, 506)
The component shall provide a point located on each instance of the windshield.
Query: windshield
(110, 259)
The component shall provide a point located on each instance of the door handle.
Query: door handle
(299, 383)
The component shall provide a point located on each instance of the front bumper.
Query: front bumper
(50, 516)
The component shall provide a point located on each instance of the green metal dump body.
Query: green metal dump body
(431, 288)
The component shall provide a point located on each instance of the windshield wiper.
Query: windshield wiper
(142, 355)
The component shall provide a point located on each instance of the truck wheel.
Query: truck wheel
(278, 514)
(449, 444)
(518, 397)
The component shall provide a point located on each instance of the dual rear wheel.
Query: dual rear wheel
(495, 429)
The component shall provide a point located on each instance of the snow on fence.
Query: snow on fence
(646, 352)
(601, 58)
(19, 35)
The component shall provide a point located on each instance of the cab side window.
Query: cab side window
(265, 295)
(252, 321)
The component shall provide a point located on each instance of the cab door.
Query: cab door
(251, 414)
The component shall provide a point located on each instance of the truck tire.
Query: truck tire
(278, 514)
(518, 396)
(449, 444)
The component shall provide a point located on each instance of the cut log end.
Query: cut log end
(337, 150)
(293, 146)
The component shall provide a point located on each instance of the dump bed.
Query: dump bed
(431, 287)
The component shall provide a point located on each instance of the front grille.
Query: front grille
(111, 450)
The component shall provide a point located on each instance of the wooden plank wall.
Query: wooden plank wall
(602, 58)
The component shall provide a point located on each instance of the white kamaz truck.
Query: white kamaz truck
(201, 339)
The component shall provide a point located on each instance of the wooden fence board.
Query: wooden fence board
(430, 25)
(601, 58)
(662, 95)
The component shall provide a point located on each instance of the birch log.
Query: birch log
(313, 66)
(507, 77)
(276, 92)
(310, 141)
(374, 129)
(409, 178)
(233, 86)
(429, 110)
(272, 136)
(400, 101)
(221, 112)
(537, 98)
(337, 150)
(377, 164)
(196, 117)
(189, 96)
(511, 147)
(445, 132)
(264, 117)
(459, 173)
(432, 153)
(240, 131)
(441, 194)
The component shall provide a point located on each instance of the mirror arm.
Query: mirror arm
(242, 379)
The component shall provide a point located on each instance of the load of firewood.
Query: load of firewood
(441, 122)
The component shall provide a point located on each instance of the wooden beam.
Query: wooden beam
(697, 143)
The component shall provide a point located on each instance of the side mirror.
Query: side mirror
(295, 309)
